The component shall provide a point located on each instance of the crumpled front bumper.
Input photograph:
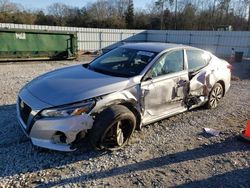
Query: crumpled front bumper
(44, 132)
(52, 133)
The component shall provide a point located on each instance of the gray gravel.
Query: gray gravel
(172, 152)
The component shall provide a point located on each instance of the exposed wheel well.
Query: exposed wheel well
(137, 114)
(223, 86)
(128, 104)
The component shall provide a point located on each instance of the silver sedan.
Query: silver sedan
(123, 90)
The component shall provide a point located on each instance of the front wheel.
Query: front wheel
(113, 128)
(215, 96)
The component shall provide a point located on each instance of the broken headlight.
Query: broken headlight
(71, 110)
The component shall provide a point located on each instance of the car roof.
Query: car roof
(153, 46)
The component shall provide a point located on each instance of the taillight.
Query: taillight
(230, 67)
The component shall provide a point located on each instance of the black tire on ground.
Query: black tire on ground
(215, 96)
(112, 128)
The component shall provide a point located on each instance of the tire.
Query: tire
(112, 128)
(215, 96)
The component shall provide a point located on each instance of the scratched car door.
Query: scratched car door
(165, 86)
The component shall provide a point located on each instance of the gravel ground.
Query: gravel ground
(172, 152)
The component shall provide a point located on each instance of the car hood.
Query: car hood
(74, 84)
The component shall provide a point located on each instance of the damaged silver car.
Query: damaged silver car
(118, 92)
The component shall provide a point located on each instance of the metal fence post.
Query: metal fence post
(121, 36)
(248, 52)
(190, 38)
(100, 40)
(218, 43)
(166, 40)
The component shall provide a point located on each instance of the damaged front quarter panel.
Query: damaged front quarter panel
(130, 95)
(129, 98)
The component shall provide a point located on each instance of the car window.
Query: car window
(197, 59)
(122, 62)
(170, 62)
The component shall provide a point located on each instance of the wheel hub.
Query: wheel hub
(119, 135)
(216, 96)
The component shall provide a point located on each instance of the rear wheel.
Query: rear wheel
(215, 96)
(113, 128)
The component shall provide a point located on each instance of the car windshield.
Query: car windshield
(122, 62)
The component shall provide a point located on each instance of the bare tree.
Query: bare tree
(101, 9)
(162, 5)
(59, 11)
(121, 6)
(129, 15)
(248, 15)
(8, 7)
(247, 5)
(106, 13)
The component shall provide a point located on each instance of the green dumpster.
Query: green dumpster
(16, 44)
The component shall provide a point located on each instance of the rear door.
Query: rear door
(165, 86)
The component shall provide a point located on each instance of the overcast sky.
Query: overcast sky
(42, 4)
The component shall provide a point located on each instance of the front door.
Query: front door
(165, 87)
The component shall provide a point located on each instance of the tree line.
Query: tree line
(120, 14)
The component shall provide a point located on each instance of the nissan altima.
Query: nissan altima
(130, 86)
